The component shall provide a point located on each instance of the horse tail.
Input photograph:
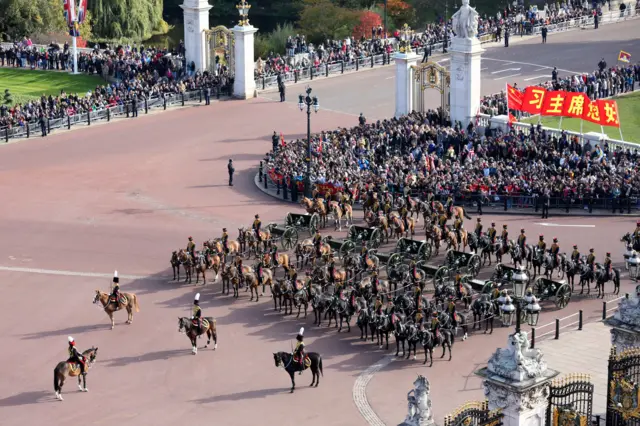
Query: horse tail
(320, 365)
(135, 303)
(56, 380)
(464, 213)
(453, 338)
(616, 277)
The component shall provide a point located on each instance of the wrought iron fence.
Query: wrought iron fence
(570, 400)
(474, 413)
(623, 407)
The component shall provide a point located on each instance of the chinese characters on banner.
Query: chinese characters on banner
(536, 100)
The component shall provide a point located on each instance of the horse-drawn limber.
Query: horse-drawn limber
(341, 246)
(392, 261)
(418, 250)
(463, 262)
(506, 273)
(546, 289)
(360, 235)
(303, 222)
(287, 236)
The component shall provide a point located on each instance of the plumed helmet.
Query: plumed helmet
(257, 216)
(575, 246)
(479, 220)
(197, 298)
(608, 254)
(301, 332)
(493, 224)
(522, 230)
(591, 250)
(504, 226)
(115, 277)
(555, 240)
(71, 339)
(542, 237)
(190, 238)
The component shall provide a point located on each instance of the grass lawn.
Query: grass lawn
(27, 84)
(629, 109)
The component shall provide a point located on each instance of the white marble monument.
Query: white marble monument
(244, 86)
(517, 382)
(625, 324)
(196, 22)
(465, 64)
(419, 404)
(404, 81)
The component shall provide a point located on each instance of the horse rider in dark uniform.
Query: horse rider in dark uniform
(522, 241)
(415, 274)
(115, 290)
(225, 241)
(419, 318)
(478, 229)
(387, 208)
(492, 233)
(457, 227)
(344, 202)
(555, 251)
(196, 313)
(377, 307)
(299, 349)
(542, 246)
(238, 263)
(256, 228)
(448, 206)
(375, 207)
(435, 325)
(75, 356)
(259, 271)
(591, 259)
(458, 285)
(191, 247)
(607, 267)
(404, 212)
(417, 294)
(451, 311)
(364, 256)
(331, 270)
(442, 221)
(575, 254)
(505, 236)
(274, 255)
(317, 243)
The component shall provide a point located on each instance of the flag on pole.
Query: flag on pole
(72, 12)
(66, 5)
(624, 56)
(82, 11)
(514, 98)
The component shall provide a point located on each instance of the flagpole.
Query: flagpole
(621, 138)
(560, 123)
(75, 50)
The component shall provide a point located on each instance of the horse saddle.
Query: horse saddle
(205, 323)
(307, 361)
(74, 368)
(121, 300)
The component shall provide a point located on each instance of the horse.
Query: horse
(343, 309)
(380, 221)
(312, 361)
(320, 304)
(228, 274)
(200, 266)
(214, 261)
(518, 255)
(216, 246)
(129, 301)
(629, 239)
(185, 260)
(452, 240)
(282, 260)
(66, 369)
(251, 278)
(248, 236)
(430, 340)
(190, 329)
(453, 211)
(399, 230)
(435, 234)
(476, 243)
(315, 206)
(175, 264)
(281, 290)
(483, 311)
(602, 277)
(337, 212)
(572, 268)
(303, 251)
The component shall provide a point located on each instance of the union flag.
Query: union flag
(575, 104)
(533, 99)
(553, 103)
(609, 113)
(592, 113)
(514, 98)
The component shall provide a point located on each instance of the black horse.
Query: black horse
(291, 366)
(366, 323)
(629, 239)
(483, 312)
(430, 340)
(602, 277)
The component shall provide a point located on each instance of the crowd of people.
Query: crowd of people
(132, 74)
(415, 154)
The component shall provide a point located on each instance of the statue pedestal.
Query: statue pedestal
(465, 65)
(244, 85)
(196, 21)
(625, 324)
(404, 82)
(419, 404)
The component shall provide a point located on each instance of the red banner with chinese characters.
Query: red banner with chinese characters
(592, 113)
(533, 99)
(609, 112)
(553, 103)
(575, 104)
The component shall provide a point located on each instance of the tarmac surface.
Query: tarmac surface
(526, 62)
(81, 204)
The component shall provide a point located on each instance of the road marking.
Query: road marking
(359, 391)
(389, 78)
(443, 60)
(78, 274)
(528, 64)
(543, 68)
(482, 69)
(509, 63)
(506, 76)
(537, 77)
(505, 70)
(566, 226)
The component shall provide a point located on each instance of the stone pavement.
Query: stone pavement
(585, 351)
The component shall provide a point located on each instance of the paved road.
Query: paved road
(122, 197)
(526, 62)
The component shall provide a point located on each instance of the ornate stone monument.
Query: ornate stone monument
(419, 404)
(517, 381)
(244, 85)
(465, 63)
(196, 22)
(405, 59)
(625, 324)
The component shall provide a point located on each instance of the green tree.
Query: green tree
(275, 41)
(20, 18)
(321, 19)
(127, 19)
(8, 99)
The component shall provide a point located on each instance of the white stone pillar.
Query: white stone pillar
(244, 85)
(517, 382)
(465, 91)
(404, 82)
(625, 324)
(196, 22)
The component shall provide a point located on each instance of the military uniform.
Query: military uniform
(591, 259)
(442, 221)
(259, 272)
(636, 233)
(75, 356)
(495, 293)
(191, 247)
(435, 325)
(404, 212)
(225, 241)
(196, 313)
(317, 243)
(377, 307)
(542, 246)
(274, 255)
(256, 228)
(607, 266)
(375, 283)
(331, 270)
(522, 240)
(478, 229)
(555, 251)
(457, 226)
(387, 208)
(451, 311)
(115, 289)
(419, 318)
(505, 235)
(492, 234)
(299, 349)
(575, 254)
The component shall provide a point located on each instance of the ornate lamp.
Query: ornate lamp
(634, 266)
(405, 35)
(243, 10)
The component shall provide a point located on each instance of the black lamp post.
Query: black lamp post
(309, 102)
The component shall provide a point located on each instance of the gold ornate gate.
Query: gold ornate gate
(430, 76)
(220, 43)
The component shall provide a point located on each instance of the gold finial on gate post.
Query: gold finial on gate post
(405, 36)
(243, 10)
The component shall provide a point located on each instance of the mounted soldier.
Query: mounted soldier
(256, 228)
(331, 270)
(591, 260)
(522, 241)
(451, 311)
(274, 255)
(115, 290)
(478, 229)
(75, 356)
(448, 206)
(196, 314)
(225, 241)
(457, 227)
(505, 236)
(299, 352)
(375, 283)
(404, 212)
(435, 325)
(442, 221)
(387, 208)
(364, 256)
(417, 295)
(375, 206)
(495, 291)
(608, 267)
(575, 254)
(238, 262)
(344, 202)
(191, 247)
(377, 307)
(492, 233)
(415, 275)
(317, 243)
(419, 318)
(555, 251)
(259, 271)
(542, 246)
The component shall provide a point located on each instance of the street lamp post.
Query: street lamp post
(309, 102)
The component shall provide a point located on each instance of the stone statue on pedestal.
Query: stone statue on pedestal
(419, 404)
(517, 361)
(629, 310)
(465, 21)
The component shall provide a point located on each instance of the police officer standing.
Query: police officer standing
(274, 142)
(506, 37)
(207, 95)
(231, 171)
(134, 106)
(281, 87)
(544, 34)
(546, 200)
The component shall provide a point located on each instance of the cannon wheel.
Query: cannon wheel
(473, 265)
(428, 251)
(539, 287)
(401, 245)
(422, 251)
(394, 261)
(314, 221)
(288, 220)
(450, 257)
(351, 233)
(375, 239)
(563, 296)
(440, 275)
(347, 247)
(487, 287)
(289, 238)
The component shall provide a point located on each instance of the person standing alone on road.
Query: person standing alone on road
(546, 200)
(544, 34)
(274, 141)
(506, 37)
(231, 171)
(281, 88)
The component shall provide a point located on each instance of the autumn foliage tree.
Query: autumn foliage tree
(400, 13)
(366, 21)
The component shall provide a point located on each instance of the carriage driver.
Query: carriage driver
(542, 246)
(191, 247)
(75, 356)
(115, 289)
(299, 350)
(591, 259)
(607, 266)
(555, 251)
(522, 240)
(504, 236)
(225, 241)
(478, 229)
(495, 292)
(317, 242)
(575, 254)
(256, 227)
(196, 313)
(492, 233)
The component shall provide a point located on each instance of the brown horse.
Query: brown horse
(175, 264)
(214, 262)
(337, 212)
(229, 273)
(325, 252)
(216, 245)
(399, 230)
(282, 260)
(66, 369)
(186, 261)
(200, 266)
(129, 301)
(434, 233)
(315, 206)
(452, 240)
(454, 211)
(192, 332)
(248, 236)
(304, 251)
(251, 279)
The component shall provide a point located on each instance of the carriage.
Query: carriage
(418, 250)
(287, 236)
(466, 263)
(361, 235)
(392, 261)
(342, 247)
(546, 289)
(303, 222)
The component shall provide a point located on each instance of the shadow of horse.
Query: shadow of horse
(27, 398)
(70, 331)
(149, 357)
